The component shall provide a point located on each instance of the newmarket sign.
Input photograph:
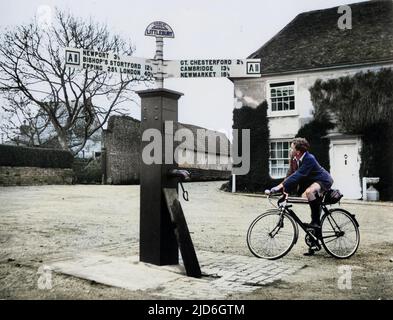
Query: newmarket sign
(213, 68)
(158, 69)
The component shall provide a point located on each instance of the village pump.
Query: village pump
(163, 228)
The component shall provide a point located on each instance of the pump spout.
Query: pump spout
(184, 175)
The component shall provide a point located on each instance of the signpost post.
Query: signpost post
(163, 228)
(159, 30)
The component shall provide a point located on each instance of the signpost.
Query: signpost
(137, 68)
(159, 30)
(163, 228)
(158, 69)
(213, 68)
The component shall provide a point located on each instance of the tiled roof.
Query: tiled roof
(207, 141)
(313, 40)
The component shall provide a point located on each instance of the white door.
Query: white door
(345, 165)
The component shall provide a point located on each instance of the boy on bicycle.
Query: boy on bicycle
(310, 173)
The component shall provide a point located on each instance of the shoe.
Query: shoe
(310, 252)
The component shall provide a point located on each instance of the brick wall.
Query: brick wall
(122, 150)
(26, 176)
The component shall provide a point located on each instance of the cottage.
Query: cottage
(311, 47)
(206, 155)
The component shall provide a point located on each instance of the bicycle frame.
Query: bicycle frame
(332, 228)
(285, 207)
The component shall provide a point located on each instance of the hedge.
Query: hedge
(377, 158)
(356, 102)
(256, 120)
(18, 156)
(314, 132)
(87, 171)
(362, 104)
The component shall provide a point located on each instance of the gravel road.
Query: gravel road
(43, 223)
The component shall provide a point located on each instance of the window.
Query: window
(282, 96)
(279, 158)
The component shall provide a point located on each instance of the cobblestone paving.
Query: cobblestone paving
(223, 274)
(227, 274)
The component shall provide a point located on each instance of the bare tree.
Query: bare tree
(23, 123)
(32, 68)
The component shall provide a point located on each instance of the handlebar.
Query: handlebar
(276, 194)
(283, 196)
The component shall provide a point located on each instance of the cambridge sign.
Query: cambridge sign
(213, 68)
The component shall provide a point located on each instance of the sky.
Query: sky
(203, 29)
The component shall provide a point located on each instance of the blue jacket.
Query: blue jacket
(309, 171)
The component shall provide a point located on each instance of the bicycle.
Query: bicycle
(273, 234)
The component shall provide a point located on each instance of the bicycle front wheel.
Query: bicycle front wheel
(272, 235)
(340, 233)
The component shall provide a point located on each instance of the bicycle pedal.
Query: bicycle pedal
(316, 248)
(315, 232)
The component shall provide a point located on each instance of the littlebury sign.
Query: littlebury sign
(138, 68)
(212, 68)
(159, 29)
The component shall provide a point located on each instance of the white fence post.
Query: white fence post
(233, 183)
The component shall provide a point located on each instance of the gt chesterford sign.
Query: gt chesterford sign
(138, 68)
(213, 68)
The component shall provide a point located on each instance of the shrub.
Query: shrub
(314, 132)
(87, 171)
(17, 156)
(256, 120)
(355, 102)
(362, 104)
(377, 158)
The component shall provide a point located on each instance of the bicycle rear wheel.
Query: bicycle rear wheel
(340, 233)
(272, 235)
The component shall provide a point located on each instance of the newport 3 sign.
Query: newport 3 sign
(158, 68)
(139, 68)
